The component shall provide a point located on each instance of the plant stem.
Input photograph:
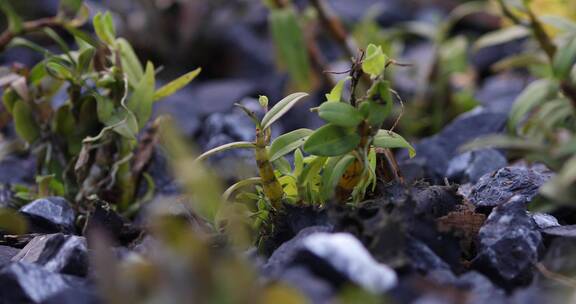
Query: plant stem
(335, 27)
(30, 26)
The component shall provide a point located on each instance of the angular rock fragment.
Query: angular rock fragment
(468, 167)
(29, 283)
(50, 214)
(57, 252)
(498, 187)
(509, 244)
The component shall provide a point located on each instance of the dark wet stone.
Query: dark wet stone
(423, 259)
(74, 296)
(50, 214)
(285, 254)
(468, 167)
(509, 243)
(436, 201)
(316, 289)
(159, 170)
(544, 220)
(435, 152)
(17, 170)
(477, 287)
(7, 253)
(498, 187)
(568, 231)
(61, 253)
(29, 283)
(560, 255)
(484, 58)
(289, 223)
(105, 219)
(499, 92)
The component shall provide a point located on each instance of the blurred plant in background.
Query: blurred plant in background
(542, 122)
(81, 154)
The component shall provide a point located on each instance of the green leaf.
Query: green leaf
(379, 104)
(282, 165)
(534, 95)
(341, 114)
(239, 185)
(561, 23)
(12, 222)
(375, 61)
(565, 59)
(58, 69)
(130, 62)
(388, 139)
(332, 140)
(311, 170)
(288, 142)
(562, 187)
(104, 28)
(142, 99)
(9, 99)
(14, 20)
(502, 36)
(280, 108)
(176, 84)
(336, 93)
(24, 121)
(226, 147)
(104, 108)
(64, 122)
(291, 45)
(335, 175)
(85, 60)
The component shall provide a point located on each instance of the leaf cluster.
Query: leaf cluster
(85, 144)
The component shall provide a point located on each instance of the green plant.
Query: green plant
(85, 145)
(354, 130)
(445, 85)
(342, 154)
(542, 122)
(263, 152)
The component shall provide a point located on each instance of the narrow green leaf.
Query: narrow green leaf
(311, 170)
(501, 36)
(341, 114)
(375, 61)
(389, 139)
(562, 186)
(332, 140)
(565, 59)
(280, 108)
(535, 94)
(336, 93)
(239, 185)
(226, 147)
(14, 20)
(291, 45)
(85, 60)
(176, 84)
(334, 175)
(24, 121)
(130, 62)
(288, 142)
(142, 99)
(104, 28)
